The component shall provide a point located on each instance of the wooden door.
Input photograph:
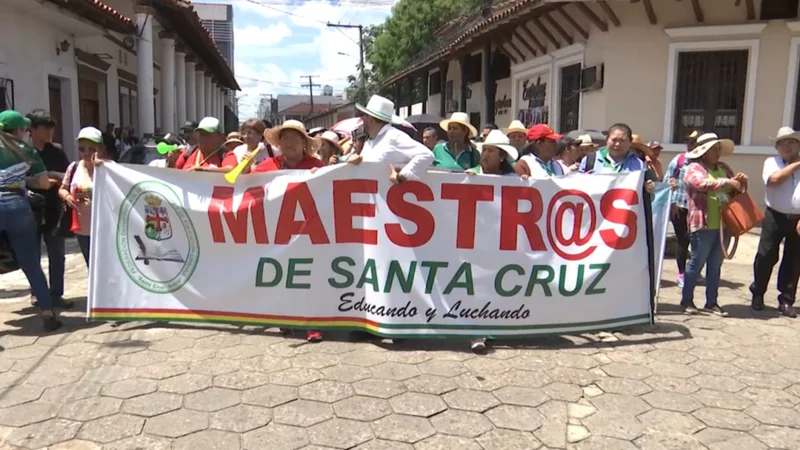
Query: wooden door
(54, 85)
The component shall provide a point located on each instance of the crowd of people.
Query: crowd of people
(31, 165)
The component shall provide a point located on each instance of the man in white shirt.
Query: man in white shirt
(389, 145)
(781, 223)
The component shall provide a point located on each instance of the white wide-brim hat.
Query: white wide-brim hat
(496, 138)
(515, 127)
(382, 109)
(708, 140)
(786, 133)
(461, 119)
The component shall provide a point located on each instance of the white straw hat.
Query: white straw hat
(786, 133)
(708, 140)
(496, 138)
(515, 127)
(461, 119)
(380, 108)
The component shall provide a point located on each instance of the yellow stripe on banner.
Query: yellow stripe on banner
(236, 319)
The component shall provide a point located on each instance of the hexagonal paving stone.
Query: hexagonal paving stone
(625, 370)
(362, 358)
(443, 441)
(442, 368)
(718, 383)
(152, 404)
(623, 386)
(570, 375)
(620, 426)
(269, 395)
(605, 443)
(172, 344)
(776, 437)
(295, 376)
(219, 341)
(142, 359)
(381, 444)
(140, 442)
(302, 413)
(671, 401)
(241, 380)
(208, 439)
(192, 355)
(515, 417)
(775, 415)
(240, 352)
(508, 440)
(620, 404)
(394, 371)
(366, 409)
(241, 418)
(470, 400)
(130, 388)
(672, 384)
(715, 368)
(521, 396)
(340, 433)
(676, 370)
(109, 374)
(18, 395)
(672, 441)
(266, 364)
(576, 361)
(28, 413)
(461, 423)
(275, 437)
(160, 371)
(403, 428)
(563, 391)
(723, 418)
(430, 384)
(770, 397)
(185, 384)
(112, 428)
(212, 399)
(417, 404)
(216, 366)
(75, 444)
(314, 361)
(346, 374)
(177, 423)
(326, 391)
(379, 388)
(90, 408)
(720, 399)
(670, 422)
(72, 391)
(43, 434)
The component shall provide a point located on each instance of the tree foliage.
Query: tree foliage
(408, 31)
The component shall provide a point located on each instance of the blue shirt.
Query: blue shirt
(604, 164)
(678, 195)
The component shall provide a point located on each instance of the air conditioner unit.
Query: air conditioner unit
(452, 106)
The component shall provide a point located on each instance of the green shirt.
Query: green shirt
(715, 200)
(13, 173)
(444, 159)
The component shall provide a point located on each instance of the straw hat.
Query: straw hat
(786, 133)
(585, 140)
(515, 127)
(496, 138)
(234, 137)
(332, 138)
(380, 108)
(461, 119)
(639, 144)
(272, 135)
(708, 140)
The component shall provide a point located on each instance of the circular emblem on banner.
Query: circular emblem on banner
(156, 242)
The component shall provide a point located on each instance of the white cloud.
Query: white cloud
(253, 36)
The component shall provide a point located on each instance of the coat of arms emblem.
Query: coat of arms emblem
(156, 219)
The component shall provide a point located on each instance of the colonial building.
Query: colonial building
(665, 67)
(89, 63)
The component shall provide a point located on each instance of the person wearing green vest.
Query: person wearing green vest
(459, 154)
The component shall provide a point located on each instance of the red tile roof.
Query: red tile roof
(99, 13)
(305, 108)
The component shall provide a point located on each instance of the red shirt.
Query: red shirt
(196, 157)
(279, 163)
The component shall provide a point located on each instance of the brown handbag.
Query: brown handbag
(740, 215)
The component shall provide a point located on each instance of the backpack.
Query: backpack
(681, 162)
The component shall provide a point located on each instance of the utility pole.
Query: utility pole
(360, 51)
(311, 87)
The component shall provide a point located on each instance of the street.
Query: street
(701, 382)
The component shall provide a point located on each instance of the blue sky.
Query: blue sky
(279, 41)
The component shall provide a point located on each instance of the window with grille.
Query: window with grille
(570, 99)
(6, 94)
(435, 83)
(709, 94)
(796, 121)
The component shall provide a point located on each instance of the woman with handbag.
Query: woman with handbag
(22, 168)
(709, 185)
(76, 190)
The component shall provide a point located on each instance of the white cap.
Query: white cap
(91, 134)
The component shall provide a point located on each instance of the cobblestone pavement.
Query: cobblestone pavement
(685, 383)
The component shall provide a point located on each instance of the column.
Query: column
(489, 85)
(167, 84)
(214, 99)
(144, 75)
(191, 90)
(200, 92)
(180, 88)
(223, 101)
(207, 89)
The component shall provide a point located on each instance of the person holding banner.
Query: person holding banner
(458, 154)
(252, 133)
(208, 155)
(389, 145)
(538, 157)
(297, 149)
(617, 157)
(709, 184)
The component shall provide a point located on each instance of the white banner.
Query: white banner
(453, 255)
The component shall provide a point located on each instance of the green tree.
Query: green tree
(408, 31)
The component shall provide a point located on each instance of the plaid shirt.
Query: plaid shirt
(698, 185)
(679, 194)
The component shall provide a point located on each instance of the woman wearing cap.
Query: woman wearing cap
(458, 153)
(650, 154)
(233, 141)
(538, 156)
(329, 149)
(583, 146)
(517, 134)
(21, 167)
(76, 189)
(709, 185)
(208, 155)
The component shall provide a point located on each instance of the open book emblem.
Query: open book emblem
(156, 253)
(156, 219)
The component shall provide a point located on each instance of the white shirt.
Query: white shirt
(162, 163)
(394, 147)
(537, 171)
(262, 155)
(784, 197)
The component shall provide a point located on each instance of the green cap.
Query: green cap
(12, 120)
(210, 125)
